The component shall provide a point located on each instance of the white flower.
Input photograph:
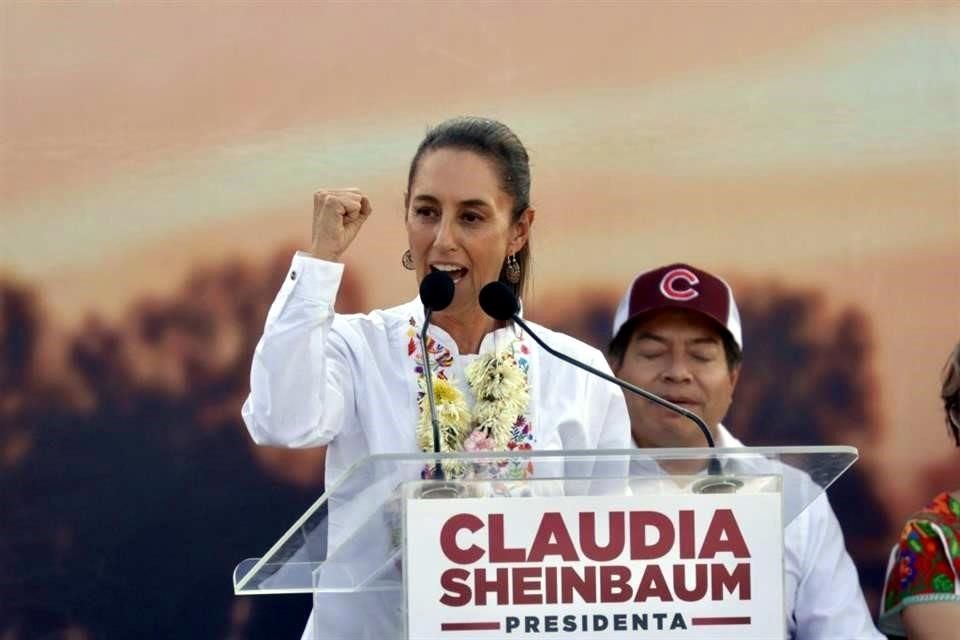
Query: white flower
(497, 377)
(502, 395)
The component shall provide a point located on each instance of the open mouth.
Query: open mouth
(455, 271)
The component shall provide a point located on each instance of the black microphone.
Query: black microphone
(436, 293)
(500, 303)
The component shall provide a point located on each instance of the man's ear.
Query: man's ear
(734, 377)
(614, 363)
(521, 230)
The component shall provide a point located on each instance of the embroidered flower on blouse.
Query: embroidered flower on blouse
(927, 555)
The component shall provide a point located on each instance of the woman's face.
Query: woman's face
(459, 220)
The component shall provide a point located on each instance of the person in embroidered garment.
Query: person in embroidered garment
(677, 333)
(921, 595)
(355, 382)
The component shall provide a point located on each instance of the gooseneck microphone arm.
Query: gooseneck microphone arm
(713, 467)
(436, 293)
(431, 399)
(652, 397)
(499, 302)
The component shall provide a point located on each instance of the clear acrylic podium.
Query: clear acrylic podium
(348, 548)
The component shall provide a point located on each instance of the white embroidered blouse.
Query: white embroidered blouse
(351, 381)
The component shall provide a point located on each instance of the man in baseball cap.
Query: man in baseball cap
(677, 333)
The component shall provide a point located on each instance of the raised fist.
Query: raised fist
(338, 215)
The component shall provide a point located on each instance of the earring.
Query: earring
(407, 261)
(512, 270)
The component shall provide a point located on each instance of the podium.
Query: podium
(579, 544)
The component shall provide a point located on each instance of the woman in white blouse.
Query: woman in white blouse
(355, 382)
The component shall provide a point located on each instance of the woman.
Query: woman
(355, 383)
(921, 598)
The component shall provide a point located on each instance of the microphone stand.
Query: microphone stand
(437, 469)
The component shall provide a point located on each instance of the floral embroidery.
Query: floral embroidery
(498, 422)
(440, 356)
(924, 565)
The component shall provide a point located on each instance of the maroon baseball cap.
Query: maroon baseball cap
(680, 286)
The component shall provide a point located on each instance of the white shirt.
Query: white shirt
(822, 595)
(349, 381)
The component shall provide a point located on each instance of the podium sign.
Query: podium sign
(663, 566)
(598, 544)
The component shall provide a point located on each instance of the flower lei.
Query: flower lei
(497, 422)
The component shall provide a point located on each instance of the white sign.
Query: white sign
(698, 567)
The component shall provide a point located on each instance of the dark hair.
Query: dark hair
(950, 393)
(617, 348)
(496, 142)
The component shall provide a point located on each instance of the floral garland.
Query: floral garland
(498, 421)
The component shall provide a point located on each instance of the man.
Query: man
(677, 333)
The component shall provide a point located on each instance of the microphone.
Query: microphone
(436, 293)
(500, 303)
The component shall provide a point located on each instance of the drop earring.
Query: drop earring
(512, 270)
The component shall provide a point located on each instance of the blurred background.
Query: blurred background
(157, 170)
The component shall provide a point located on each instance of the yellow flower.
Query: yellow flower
(443, 391)
(453, 417)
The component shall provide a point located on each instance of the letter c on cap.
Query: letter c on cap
(669, 282)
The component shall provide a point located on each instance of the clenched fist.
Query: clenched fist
(338, 215)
